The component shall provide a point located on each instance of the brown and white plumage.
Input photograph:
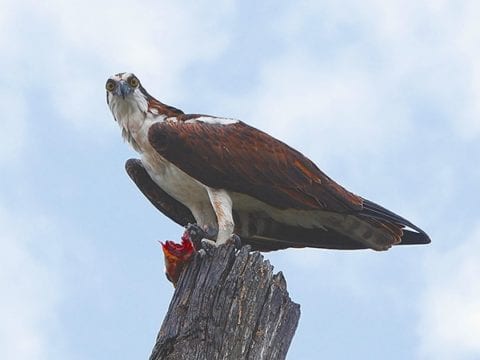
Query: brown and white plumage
(223, 173)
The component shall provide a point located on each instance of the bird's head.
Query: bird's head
(121, 85)
(124, 87)
(129, 103)
(126, 95)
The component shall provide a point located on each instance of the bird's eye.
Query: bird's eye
(110, 85)
(133, 82)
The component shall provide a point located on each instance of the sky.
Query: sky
(384, 96)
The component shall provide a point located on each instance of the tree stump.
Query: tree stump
(228, 305)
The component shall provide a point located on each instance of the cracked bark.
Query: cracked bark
(228, 305)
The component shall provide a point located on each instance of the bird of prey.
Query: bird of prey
(231, 178)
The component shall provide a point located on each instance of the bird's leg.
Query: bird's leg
(208, 247)
(222, 205)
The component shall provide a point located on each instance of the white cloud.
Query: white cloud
(28, 297)
(468, 38)
(343, 106)
(385, 62)
(80, 45)
(13, 134)
(450, 317)
(155, 40)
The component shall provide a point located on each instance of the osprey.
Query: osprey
(229, 177)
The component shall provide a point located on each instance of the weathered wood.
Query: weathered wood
(228, 305)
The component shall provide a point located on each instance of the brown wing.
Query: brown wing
(271, 235)
(240, 158)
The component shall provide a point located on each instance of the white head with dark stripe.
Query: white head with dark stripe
(129, 103)
(125, 95)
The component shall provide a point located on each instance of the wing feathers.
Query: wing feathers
(375, 211)
(242, 159)
(239, 158)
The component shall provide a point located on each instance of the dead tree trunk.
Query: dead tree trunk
(228, 305)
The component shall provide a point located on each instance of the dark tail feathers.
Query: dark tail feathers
(418, 236)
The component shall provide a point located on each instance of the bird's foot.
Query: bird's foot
(207, 247)
(198, 233)
(202, 238)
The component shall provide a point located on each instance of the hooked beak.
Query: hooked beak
(123, 89)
